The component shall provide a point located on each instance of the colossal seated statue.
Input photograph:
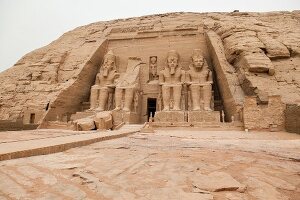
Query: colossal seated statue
(127, 85)
(105, 83)
(199, 79)
(171, 79)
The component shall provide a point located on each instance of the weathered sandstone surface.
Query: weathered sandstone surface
(168, 164)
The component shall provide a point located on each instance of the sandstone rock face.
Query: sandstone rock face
(250, 54)
(264, 116)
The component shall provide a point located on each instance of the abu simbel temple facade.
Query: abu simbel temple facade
(208, 70)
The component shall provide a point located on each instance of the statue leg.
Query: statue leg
(207, 97)
(128, 99)
(94, 98)
(103, 97)
(118, 98)
(177, 96)
(166, 97)
(195, 95)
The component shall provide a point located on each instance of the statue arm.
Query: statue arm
(209, 75)
(161, 78)
(188, 78)
(183, 77)
(97, 82)
(116, 75)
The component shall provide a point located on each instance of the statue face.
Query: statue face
(153, 60)
(107, 66)
(172, 63)
(198, 62)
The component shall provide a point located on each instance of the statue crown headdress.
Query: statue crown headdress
(110, 55)
(197, 53)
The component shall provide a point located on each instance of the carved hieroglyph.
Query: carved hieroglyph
(127, 85)
(104, 85)
(171, 79)
(199, 79)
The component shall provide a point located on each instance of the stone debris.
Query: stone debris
(85, 124)
(272, 180)
(216, 182)
(261, 190)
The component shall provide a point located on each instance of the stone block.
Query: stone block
(264, 117)
(103, 120)
(170, 116)
(120, 116)
(80, 115)
(203, 116)
(292, 118)
(85, 124)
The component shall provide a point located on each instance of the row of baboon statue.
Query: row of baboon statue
(124, 89)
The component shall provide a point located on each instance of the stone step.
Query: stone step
(85, 105)
(43, 146)
(137, 127)
(58, 125)
(80, 115)
(200, 125)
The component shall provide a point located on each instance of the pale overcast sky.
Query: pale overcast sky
(29, 24)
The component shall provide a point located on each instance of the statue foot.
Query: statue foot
(176, 108)
(207, 109)
(99, 109)
(126, 109)
(166, 109)
(117, 108)
(196, 109)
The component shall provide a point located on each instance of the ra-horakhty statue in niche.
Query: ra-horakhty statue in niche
(105, 83)
(153, 68)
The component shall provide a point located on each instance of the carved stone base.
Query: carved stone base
(120, 116)
(203, 116)
(169, 116)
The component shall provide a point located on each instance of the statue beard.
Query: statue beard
(172, 70)
(198, 67)
(105, 71)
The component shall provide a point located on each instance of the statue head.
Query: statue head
(172, 61)
(108, 64)
(153, 59)
(197, 59)
(153, 65)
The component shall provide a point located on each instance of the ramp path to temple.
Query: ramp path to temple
(18, 144)
(171, 163)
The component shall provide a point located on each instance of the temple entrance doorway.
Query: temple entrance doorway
(32, 118)
(151, 107)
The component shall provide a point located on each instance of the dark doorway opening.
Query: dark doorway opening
(151, 107)
(32, 118)
(47, 106)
